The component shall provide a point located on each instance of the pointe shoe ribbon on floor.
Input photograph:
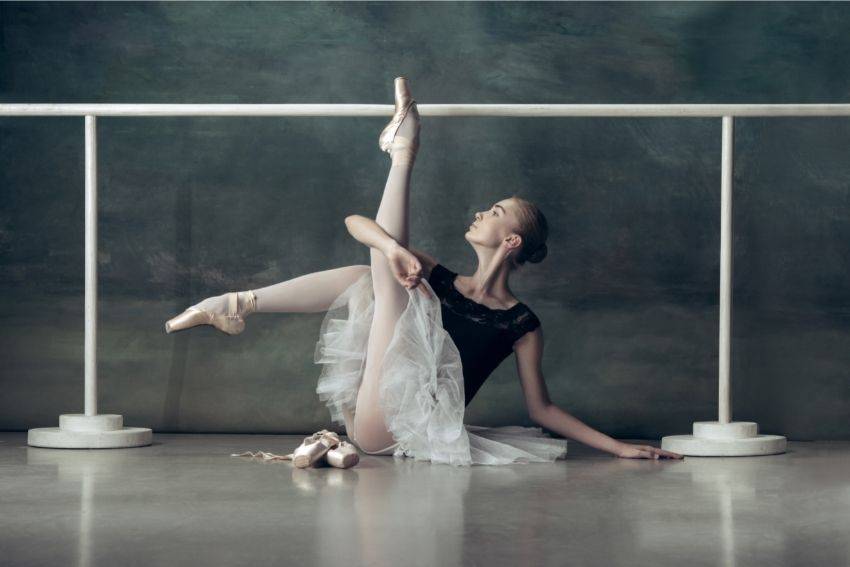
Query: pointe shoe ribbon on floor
(264, 454)
(231, 322)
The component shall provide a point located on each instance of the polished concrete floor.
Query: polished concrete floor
(185, 501)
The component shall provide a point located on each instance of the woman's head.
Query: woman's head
(516, 224)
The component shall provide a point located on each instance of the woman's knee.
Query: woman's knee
(360, 269)
(371, 437)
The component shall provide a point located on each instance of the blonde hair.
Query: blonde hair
(534, 231)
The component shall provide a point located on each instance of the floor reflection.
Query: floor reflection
(727, 504)
(81, 467)
(387, 510)
(185, 501)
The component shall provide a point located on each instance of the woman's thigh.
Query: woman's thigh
(369, 425)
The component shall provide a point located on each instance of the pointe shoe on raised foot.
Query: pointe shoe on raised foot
(314, 448)
(231, 322)
(388, 141)
(343, 456)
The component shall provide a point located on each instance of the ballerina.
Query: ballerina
(432, 336)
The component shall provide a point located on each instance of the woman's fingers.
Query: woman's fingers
(669, 454)
(658, 453)
(672, 455)
(650, 452)
(411, 276)
(413, 282)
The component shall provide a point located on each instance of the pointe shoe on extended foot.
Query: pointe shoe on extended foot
(314, 448)
(231, 321)
(343, 456)
(405, 107)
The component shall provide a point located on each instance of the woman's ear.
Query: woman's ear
(514, 241)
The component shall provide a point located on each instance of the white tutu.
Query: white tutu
(421, 384)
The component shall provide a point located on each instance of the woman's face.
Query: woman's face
(490, 228)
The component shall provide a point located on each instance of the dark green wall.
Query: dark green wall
(191, 207)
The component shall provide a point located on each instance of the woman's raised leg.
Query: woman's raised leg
(369, 429)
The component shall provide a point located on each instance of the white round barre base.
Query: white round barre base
(733, 439)
(80, 431)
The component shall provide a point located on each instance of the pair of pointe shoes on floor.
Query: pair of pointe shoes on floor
(321, 448)
(403, 151)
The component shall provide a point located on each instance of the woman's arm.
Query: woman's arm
(529, 354)
(428, 261)
(405, 266)
(370, 233)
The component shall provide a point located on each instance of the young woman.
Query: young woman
(432, 336)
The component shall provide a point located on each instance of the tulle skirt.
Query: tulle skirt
(421, 388)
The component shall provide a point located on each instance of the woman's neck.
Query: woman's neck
(489, 282)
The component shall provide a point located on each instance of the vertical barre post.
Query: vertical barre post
(724, 437)
(90, 430)
(724, 366)
(91, 268)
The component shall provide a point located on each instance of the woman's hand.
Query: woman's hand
(627, 451)
(406, 268)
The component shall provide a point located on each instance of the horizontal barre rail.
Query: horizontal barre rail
(527, 110)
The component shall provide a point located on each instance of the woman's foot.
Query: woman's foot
(224, 312)
(400, 137)
(406, 142)
(245, 303)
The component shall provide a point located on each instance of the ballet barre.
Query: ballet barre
(516, 110)
(723, 437)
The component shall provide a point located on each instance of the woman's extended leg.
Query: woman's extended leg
(370, 430)
(310, 293)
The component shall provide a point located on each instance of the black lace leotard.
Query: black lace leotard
(483, 336)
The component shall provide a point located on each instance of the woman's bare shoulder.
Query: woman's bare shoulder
(428, 261)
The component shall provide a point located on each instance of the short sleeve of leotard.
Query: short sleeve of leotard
(524, 323)
(440, 279)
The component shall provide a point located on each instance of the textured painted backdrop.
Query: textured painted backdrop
(191, 207)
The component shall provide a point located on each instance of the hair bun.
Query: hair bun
(538, 254)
